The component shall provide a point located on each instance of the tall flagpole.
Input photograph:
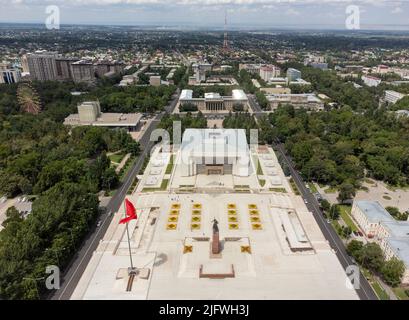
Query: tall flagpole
(129, 247)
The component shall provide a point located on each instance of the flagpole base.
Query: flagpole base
(132, 271)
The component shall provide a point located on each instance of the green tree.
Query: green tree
(392, 271)
(325, 205)
(354, 248)
(346, 192)
(371, 257)
(335, 212)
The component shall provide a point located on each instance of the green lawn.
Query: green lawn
(132, 187)
(126, 168)
(337, 227)
(262, 182)
(345, 215)
(331, 190)
(117, 158)
(169, 168)
(369, 181)
(312, 187)
(163, 187)
(400, 293)
(294, 187)
(256, 161)
(282, 190)
(382, 295)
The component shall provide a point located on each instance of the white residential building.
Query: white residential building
(269, 71)
(371, 81)
(391, 235)
(304, 100)
(393, 96)
(369, 215)
(8, 74)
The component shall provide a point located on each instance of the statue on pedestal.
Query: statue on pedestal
(215, 238)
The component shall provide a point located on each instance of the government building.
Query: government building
(214, 102)
(215, 151)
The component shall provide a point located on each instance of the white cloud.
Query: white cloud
(397, 10)
(292, 12)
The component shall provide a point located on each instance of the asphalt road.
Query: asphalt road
(365, 291)
(80, 261)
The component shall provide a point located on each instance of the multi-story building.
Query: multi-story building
(305, 100)
(89, 114)
(8, 74)
(276, 90)
(24, 64)
(215, 151)
(393, 96)
(42, 65)
(269, 71)
(83, 71)
(382, 69)
(200, 70)
(63, 66)
(155, 81)
(353, 68)
(293, 74)
(319, 65)
(371, 81)
(250, 67)
(369, 215)
(214, 101)
(104, 68)
(380, 227)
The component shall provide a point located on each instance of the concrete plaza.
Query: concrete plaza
(272, 247)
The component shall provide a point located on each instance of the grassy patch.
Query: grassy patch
(337, 227)
(163, 187)
(400, 293)
(282, 190)
(262, 182)
(369, 181)
(256, 161)
(126, 168)
(169, 168)
(387, 197)
(133, 185)
(382, 295)
(345, 215)
(312, 187)
(331, 190)
(294, 187)
(117, 158)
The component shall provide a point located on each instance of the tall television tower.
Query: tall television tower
(226, 41)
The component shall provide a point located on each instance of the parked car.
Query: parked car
(99, 223)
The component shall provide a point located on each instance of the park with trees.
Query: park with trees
(62, 170)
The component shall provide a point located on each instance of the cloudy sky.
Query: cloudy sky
(374, 14)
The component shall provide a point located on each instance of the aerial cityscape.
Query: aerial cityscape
(205, 150)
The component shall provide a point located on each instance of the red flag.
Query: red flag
(130, 212)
